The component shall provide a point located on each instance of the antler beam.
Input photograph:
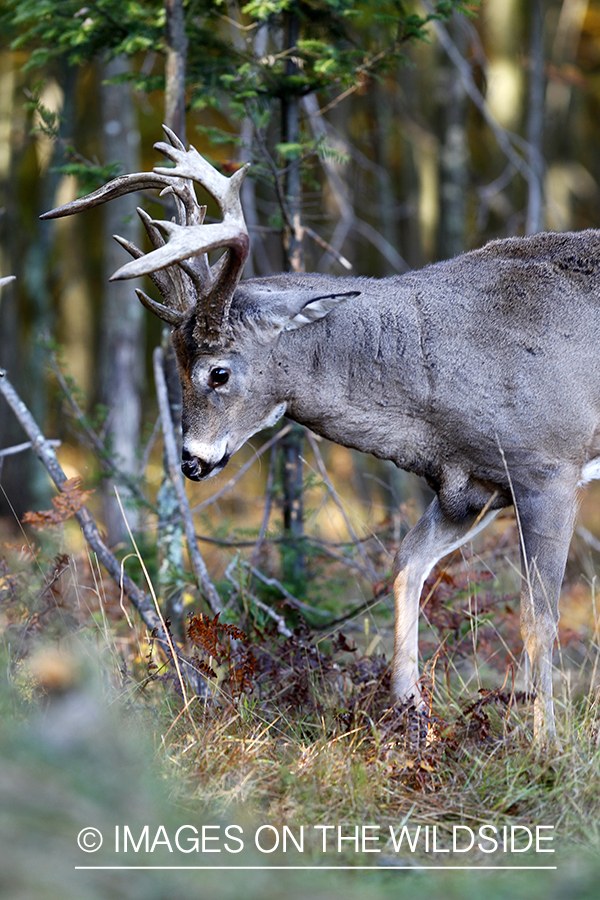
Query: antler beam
(178, 264)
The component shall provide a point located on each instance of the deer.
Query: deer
(479, 373)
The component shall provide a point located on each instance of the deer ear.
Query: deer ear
(316, 308)
(273, 310)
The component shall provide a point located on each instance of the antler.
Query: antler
(178, 264)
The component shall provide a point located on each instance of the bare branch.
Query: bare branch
(267, 510)
(19, 448)
(383, 245)
(336, 500)
(273, 582)
(589, 538)
(45, 452)
(198, 564)
(348, 219)
(106, 461)
(466, 75)
(282, 627)
(323, 243)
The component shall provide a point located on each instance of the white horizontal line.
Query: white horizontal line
(318, 868)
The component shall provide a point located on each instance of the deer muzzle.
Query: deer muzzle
(197, 469)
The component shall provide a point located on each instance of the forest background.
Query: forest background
(382, 136)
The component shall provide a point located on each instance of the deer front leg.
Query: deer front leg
(546, 526)
(432, 538)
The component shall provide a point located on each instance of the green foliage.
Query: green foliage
(289, 151)
(80, 33)
(89, 177)
(342, 42)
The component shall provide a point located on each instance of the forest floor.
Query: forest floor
(292, 758)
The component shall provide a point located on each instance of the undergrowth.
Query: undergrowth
(297, 730)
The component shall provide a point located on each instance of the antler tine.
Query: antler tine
(189, 164)
(173, 138)
(233, 235)
(156, 238)
(199, 270)
(183, 259)
(172, 281)
(170, 316)
(124, 184)
(184, 242)
(161, 279)
(190, 211)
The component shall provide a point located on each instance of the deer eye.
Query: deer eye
(218, 377)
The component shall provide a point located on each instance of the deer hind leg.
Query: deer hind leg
(546, 526)
(432, 538)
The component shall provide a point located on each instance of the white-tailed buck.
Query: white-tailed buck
(481, 374)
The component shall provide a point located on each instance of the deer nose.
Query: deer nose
(192, 467)
(196, 469)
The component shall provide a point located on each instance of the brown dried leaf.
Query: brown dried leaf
(236, 633)
(66, 504)
(202, 632)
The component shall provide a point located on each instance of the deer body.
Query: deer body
(452, 372)
(480, 374)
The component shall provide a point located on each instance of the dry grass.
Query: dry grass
(304, 735)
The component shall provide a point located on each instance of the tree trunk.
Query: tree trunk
(13, 471)
(170, 528)
(290, 132)
(535, 119)
(177, 44)
(292, 444)
(383, 115)
(122, 342)
(452, 101)
(28, 482)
